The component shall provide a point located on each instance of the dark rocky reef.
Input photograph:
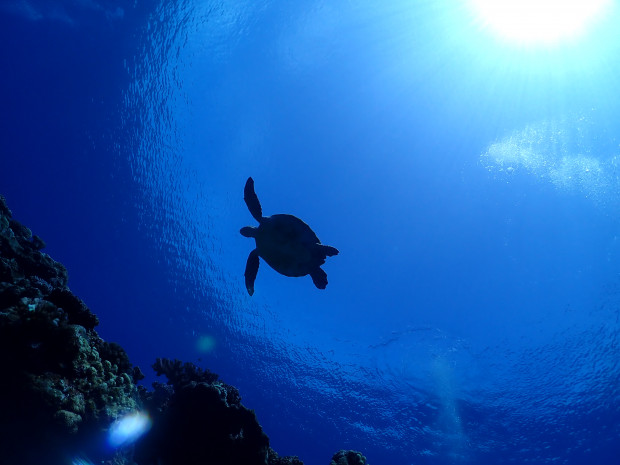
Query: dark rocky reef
(62, 386)
(61, 383)
(199, 419)
(348, 457)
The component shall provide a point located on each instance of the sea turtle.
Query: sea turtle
(285, 242)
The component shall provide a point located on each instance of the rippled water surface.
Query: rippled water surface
(472, 190)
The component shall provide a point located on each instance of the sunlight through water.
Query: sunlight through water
(377, 372)
(532, 22)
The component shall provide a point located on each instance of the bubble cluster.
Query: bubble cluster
(573, 154)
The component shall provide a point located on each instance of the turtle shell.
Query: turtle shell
(288, 245)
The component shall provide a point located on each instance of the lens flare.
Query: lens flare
(205, 344)
(128, 429)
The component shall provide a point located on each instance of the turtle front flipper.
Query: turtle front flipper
(251, 268)
(251, 200)
(319, 278)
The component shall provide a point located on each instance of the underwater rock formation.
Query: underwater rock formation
(60, 383)
(348, 457)
(62, 386)
(198, 419)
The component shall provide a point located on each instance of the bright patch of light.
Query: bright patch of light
(129, 428)
(545, 22)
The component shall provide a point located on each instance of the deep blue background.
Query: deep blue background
(472, 315)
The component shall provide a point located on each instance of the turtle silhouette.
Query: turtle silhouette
(285, 242)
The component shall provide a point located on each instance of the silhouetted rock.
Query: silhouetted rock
(275, 459)
(198, 419)
(60, 381)
(348, 457)
(180, 374)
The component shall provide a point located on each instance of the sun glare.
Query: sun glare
(539, 22)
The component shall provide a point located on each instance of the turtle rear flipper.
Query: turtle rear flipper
(319, 278)
(251, 200)
(251, 268)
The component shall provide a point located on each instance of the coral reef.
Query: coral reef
(348, 457)
(275, 459)
(198, 419)
(61, 382)
(62, 385)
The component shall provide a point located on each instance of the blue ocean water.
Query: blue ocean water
(472, 315)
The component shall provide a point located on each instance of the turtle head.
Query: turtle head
(248, 231)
